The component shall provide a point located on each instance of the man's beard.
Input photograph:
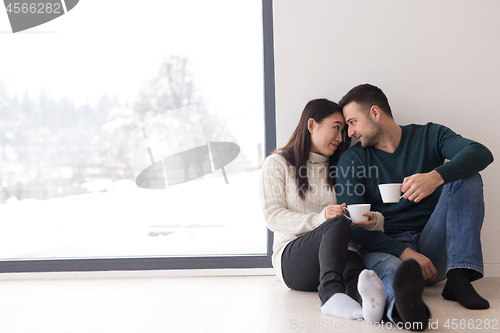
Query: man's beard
(371, 138)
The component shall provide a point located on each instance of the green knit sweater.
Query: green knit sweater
(422, 148)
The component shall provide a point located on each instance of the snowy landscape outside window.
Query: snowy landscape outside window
(88, 100)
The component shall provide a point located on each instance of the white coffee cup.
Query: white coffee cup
(391, 193)
(356, 211)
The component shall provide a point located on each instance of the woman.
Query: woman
(312, 249)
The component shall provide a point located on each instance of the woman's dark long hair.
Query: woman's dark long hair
(296, 151)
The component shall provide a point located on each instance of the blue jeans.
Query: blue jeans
(450, 238)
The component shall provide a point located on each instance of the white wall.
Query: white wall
(436, 61)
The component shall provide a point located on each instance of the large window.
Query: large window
(132, 135)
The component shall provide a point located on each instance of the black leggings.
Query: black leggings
(320, 261)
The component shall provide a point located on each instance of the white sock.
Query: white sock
(343, 306)
(372, 292)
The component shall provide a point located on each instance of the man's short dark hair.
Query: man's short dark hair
(367, 95)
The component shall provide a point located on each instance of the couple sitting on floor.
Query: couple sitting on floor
(431, 234)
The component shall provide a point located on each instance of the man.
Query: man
(433, 233)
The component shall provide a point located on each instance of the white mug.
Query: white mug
(356, 212)
(391, 193)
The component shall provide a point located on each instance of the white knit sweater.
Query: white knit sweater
(286, 214)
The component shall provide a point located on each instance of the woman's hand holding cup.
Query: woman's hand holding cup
(334, 210)
(372, 221)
